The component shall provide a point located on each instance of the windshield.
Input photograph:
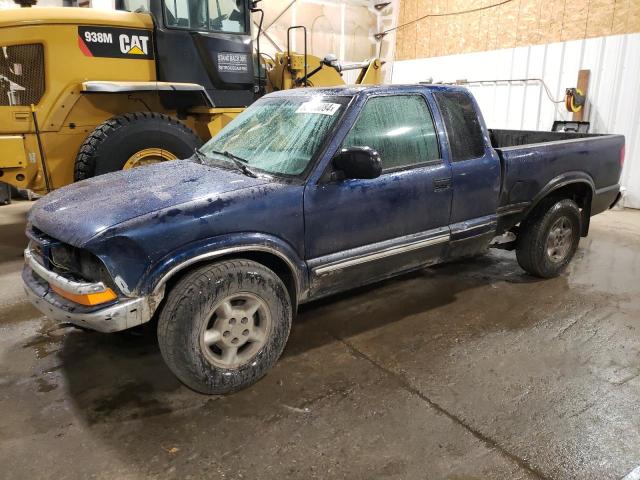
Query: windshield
(279, 136)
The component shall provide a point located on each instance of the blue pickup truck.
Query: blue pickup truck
(307, 193)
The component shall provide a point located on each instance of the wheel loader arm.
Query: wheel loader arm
(370, 70)
(371, 74)
(285, 72)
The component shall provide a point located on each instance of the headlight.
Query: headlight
(78, 263)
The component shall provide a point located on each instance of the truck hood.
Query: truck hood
(76, 213)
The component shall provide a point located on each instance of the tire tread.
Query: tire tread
(84, 166)
(180, 303)
(532, 239)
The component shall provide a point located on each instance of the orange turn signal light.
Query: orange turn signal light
(88, 299)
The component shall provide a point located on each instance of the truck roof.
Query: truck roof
(351, 90)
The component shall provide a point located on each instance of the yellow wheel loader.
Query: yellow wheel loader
(85, 92)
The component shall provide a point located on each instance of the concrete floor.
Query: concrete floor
(472, 370)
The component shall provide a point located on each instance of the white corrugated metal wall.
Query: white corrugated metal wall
(613, 99)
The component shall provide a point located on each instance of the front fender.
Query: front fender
(209, 249)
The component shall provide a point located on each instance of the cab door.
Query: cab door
(476, 173)
(358, 231)
(208, 43)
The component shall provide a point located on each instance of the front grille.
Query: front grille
(21, 74)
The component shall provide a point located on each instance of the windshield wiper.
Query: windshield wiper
(200, 155)
(239, 162)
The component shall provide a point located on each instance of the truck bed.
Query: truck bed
(514, 138)
(532, 161)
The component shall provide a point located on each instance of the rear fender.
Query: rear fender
(564, 186)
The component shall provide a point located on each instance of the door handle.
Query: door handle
(440, 184)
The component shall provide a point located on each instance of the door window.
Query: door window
(462, 125)
(208, 15)
(399, 128)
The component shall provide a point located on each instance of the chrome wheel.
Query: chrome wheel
(559, 240)
(237, 329)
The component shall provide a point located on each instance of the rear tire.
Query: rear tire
(118, 140)
(224, 325)
(548, 238)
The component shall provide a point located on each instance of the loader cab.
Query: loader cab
(207, 42)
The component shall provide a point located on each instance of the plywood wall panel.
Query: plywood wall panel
(401, 45)
(411, 12)
(401, 33)
(471, 27)
(634, 16)
(412, 35)
(494, 26)
(514, 24)
(453, 28)
(486, 26)
(438, 33)
(528, 33)
(574, 19)
(551, 21)
(620, 16)
(508, 21)
(423, 38)
(600, 18)
(423, 30)
(412, 8)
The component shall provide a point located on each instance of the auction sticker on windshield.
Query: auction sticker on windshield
(324, 108)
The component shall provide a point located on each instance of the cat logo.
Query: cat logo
(134, 44)
(110, 42)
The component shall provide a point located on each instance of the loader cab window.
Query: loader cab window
(137, 6)
(206, 15)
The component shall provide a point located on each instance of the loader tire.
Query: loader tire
(133, 139)
(549, 238)
(224, 325)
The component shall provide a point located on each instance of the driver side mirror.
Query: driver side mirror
(358, 163)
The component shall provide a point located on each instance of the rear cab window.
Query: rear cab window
(400, 128)
(464, 132)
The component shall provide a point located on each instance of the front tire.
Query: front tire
(133, 139)
(549, 238)
(224, 325)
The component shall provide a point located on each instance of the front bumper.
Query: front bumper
(112, 317)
